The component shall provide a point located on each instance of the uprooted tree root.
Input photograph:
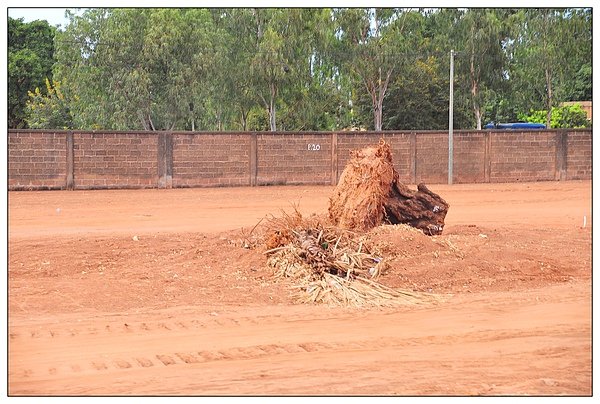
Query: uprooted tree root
(369, 193)
(330, 265)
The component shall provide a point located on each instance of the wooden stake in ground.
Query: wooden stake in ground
(369, 194)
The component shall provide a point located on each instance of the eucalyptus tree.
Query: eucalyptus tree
(278, 62)
(577, 47)
(256, 59)
(78, 69)
(239, 40)
(553, 46)
(317, 96)
(181, 54)
(137, 68)
(482, 58)
(374, 45)
(418, 99)
(281, 64)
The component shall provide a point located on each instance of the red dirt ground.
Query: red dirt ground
(150, 292)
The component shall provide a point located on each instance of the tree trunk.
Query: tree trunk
(475, 89)
(150, 123)
(377, 118)
(477, 116)
(549, 95)
(377, 92)
(244, 119)
(272, 121)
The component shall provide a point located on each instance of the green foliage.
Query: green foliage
(372, 49)
(500, 109)
(138, 68)
(579, 87)
(568, 116)
(298, 68)
(421, 89)
(482, 60)
(553, 46)
(50, 110)
(258, 119)
(30, 60)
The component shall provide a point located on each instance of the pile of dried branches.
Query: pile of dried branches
(330, 265)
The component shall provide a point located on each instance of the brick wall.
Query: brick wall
(114, 160)
(210, 160)
(90, 160)
(432, 158)
(523, 156)
(295, 159)
(579, 156)
(37, 160)
(469, 157)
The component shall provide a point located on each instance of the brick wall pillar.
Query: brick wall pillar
(413, 158)
(334, 159)
(70, 178)
(561, 156)
(487, 158)
(253, 159)
(165, 160)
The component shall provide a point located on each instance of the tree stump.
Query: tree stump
(369, 194)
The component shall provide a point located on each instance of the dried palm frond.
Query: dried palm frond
(333, 290)
(333, 266)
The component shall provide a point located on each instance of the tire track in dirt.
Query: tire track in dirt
(112, 365)
(74, 353)
(111, 362)
(129, 327)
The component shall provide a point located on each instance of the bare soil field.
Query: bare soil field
(151, 292)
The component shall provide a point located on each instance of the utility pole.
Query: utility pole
(451, 121)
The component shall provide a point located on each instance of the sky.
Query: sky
(54, 16)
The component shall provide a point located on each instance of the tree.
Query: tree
(316, 96)
(30, 60)
(78, 67)
(49, 110)
(441, 36)
(281, 64)
(236, 87)
(577, 48)
(278, 60)
(137, 68)
(552, 47)
(314, 68)
(373, 45)
(269, 67)
(418, 99)
(482, 59)
(179, 56)
(580, 85)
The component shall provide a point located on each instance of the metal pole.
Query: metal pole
(451, 121)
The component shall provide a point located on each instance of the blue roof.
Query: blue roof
(515, 125)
